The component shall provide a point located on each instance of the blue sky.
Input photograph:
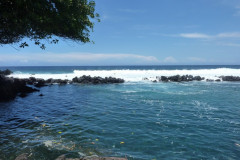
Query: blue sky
(147, 32)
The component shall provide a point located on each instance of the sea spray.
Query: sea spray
(136, 75)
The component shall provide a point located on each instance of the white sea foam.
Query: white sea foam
(137, 75)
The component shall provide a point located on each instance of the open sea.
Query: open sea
(138, 119)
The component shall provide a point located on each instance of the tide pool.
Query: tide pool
(139, 120)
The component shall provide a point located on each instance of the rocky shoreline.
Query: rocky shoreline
(189, 78)
(11, 87)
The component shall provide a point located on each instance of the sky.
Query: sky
(146, 32)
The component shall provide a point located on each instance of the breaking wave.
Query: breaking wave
(135, 75)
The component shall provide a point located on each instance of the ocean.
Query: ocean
(138, 119)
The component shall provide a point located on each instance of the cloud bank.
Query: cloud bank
(76, 59)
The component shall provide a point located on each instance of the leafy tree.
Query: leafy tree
(45, 19)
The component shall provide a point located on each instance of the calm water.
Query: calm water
(139, 120)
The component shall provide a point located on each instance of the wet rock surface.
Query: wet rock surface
(188, 78)
(96, 80)
(6, 72)
(230, 78)
(178, 78)
(24, 156)
(12, 87)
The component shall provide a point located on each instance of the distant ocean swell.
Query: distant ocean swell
(135, 75)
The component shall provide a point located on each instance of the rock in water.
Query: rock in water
(6, 72)
(230, 78)
(164, 79)
(96, 80)
(178, 78)
(209, 80)
(197, 78)
(23, 156)
(11, 87)
(40, 83)
(63, 157)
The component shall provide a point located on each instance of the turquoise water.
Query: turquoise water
(139, 120)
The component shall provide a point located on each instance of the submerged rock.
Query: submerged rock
(41, 82)
(63, 157)
(23, 156)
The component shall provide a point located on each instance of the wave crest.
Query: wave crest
(136, 75)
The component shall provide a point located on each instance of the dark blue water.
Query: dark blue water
(70, 69)
(194, 120)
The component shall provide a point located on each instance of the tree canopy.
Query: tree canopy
(45, 19)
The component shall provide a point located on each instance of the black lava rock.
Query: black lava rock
(230, 78)
(6, 72)
(96, 80)
(11, 87)
(40, 83)
(178, 78)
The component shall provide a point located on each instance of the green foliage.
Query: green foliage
(44, 19)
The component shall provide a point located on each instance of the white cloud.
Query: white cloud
(77, 59)
(194, 35)
(170, 60)
(229, 35)
(206, 36)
